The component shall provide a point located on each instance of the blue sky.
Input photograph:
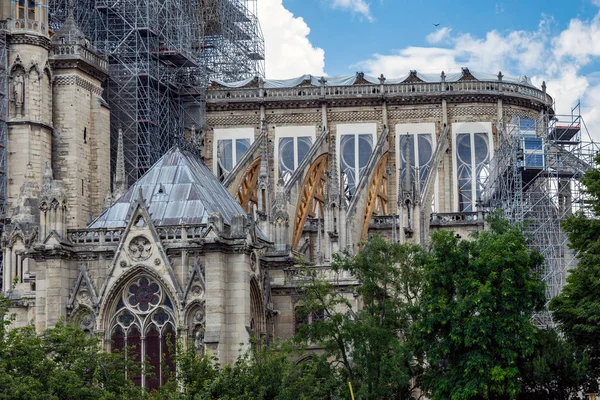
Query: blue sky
(557, 41)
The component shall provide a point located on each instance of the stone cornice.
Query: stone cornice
(16, 37)
(15, 122)
(65, 80)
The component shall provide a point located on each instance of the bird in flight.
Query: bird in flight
(436, 24)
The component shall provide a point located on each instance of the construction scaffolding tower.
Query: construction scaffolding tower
(233, 46)
(162, 54)
(535, 179)
(3, 128)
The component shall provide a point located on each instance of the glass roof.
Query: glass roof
(178, 189)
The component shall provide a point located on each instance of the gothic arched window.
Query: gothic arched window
(144, 322)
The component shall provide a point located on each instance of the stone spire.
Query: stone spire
(263, 174)
(120, 181)
(69, 32)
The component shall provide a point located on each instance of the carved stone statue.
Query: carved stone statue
(19, 92)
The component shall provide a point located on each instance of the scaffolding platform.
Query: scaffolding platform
(174, 57)
(564, 133)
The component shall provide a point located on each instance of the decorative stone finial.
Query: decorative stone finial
(120, 182)
(544, 86)
(500, 76)
(322, 81)
(381, 79)
(443, 76)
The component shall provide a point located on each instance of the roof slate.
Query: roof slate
(178, 189)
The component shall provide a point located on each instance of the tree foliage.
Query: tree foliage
(369, 347)
(477, 300)
(577, 308)
(61, 363)
(557, 369)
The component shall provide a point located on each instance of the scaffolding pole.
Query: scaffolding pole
(535, 179)
(162, 54)
(3, 128)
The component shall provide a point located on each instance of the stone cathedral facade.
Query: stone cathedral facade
(203, 245)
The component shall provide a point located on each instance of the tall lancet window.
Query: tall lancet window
(230, 145)
(355, 146)
(473, 151)
(144, 323)
(292, 144)
(421, 154)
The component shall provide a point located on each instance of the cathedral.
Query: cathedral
(204, 244)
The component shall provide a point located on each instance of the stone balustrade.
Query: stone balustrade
(27, 25)
(82, 52)
(216, 94)
(107, 236)
(453, 219)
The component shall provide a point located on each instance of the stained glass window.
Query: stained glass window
(472, 167)
(355, 151)
(292, 151)
(230, 145)
(143, 306)
(421, 156)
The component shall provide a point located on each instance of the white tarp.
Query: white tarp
(347, 80)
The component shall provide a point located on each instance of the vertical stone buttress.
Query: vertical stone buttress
(81, 120)
(30, 93)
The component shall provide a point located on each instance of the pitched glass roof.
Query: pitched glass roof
(178, 189)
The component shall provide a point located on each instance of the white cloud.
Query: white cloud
(557, 59)
(356, 6)
(289, 52)
(439, 35)
(399, 63)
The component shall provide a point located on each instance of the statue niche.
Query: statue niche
(17, 92)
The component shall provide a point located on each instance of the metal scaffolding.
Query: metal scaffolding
(233, 46)
(535, 179)
(3, 127)
(162, 54)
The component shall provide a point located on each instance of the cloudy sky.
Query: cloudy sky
(557, 41)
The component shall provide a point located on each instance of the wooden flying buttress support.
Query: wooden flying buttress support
(247, 192)
(377, 197)
(312, 197)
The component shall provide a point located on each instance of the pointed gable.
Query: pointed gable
(178, 189)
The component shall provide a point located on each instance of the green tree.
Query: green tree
(477, 300)
(369, 347)
(61, 363)
(577, 308)
(555, 371)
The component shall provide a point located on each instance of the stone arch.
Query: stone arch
(34, 92)
(377, 196)
(110, 298)
(195, 322)
(257, 311)
(311, 199)
(47, 95)
(141, 318)
(85, 318)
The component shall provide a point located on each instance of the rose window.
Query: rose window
(143, 294)
(140, 248)
(143, 325)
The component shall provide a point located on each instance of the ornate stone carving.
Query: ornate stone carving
(140, 248)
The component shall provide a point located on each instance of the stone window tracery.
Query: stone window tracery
(143, 323)
(230, 147)
(291, 147)
(472, 157)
